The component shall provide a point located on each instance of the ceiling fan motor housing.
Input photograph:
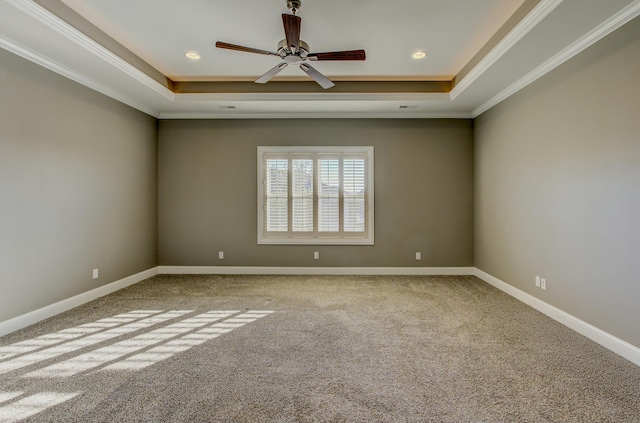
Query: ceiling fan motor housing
(284, 50)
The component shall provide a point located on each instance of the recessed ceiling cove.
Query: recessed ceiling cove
(479, 52)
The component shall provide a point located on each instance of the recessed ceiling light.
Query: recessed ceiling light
(419, 55)
(192, 55)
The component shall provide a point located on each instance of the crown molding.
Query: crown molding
(62, 28)
(322, 96)
(312, 115)
(72, 75)
(540, 12)
(607, 27)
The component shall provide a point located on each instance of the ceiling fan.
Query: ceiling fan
(294, 51)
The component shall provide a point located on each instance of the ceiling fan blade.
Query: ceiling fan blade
(292, 31)
(273, 72)
(235, 47)
(322, 80)
(339, 55)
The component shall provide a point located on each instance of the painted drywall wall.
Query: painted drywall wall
(558, 186)
(78, 188)
(423, 191)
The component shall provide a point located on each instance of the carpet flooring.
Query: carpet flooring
(311, 349)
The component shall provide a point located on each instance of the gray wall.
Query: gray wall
(423, 191)
(558, 186)
(78, 188)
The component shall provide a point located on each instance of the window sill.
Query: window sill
(315, 241)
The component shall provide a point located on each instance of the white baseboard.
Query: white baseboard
(612, 343)
(618, 346)
(244, 270)
(35, 316)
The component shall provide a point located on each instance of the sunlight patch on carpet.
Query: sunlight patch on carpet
(72, 333)
(184, 343)
(32, 405)
(78, 344)
(118, 350)
(175, 333)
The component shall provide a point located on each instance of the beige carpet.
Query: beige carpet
(314, 348)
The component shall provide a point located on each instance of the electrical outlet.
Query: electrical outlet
(316, 255)
(221, 255)
(538, 281)
(418, 255)
(95, 273)
(543, 283)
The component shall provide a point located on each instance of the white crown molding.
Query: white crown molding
(249, 270)
(540, 12)
(312, 115)
(612, 343)
(72, 75)
(607, 27)
(40, 314)
(323, 96)
(61, 27)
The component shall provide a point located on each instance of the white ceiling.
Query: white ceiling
(390, 31)
(452, 32)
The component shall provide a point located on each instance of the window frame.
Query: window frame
(316, 237)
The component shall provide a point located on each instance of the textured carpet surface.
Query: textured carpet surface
(311, 348)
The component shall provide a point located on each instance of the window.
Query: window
(315, 195)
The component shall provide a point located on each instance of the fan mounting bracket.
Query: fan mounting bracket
(294, 5)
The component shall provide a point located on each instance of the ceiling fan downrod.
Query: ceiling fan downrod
(294, 5)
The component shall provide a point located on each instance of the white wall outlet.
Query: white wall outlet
(543, 283)
(418, 255)
(221, 255)
(316, 255)
(95, 273)
(538, 281)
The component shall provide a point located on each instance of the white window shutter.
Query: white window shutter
(315, 195)
(328, 195)
(354, 186)
(277, 195)
(302, 195)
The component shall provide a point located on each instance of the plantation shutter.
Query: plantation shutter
(328, 195)
(354, 194)
(277, 193)
(315, 195)
(302, 195)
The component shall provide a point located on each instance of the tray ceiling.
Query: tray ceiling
(478, 52)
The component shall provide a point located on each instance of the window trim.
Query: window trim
(367, 239)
